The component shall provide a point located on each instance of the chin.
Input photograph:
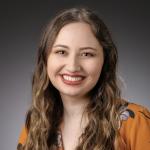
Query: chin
(72, 93)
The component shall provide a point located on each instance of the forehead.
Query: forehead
(76, 33)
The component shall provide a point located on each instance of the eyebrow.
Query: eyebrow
(82, 48)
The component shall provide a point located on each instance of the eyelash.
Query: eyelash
(86, 54)
(60, 52)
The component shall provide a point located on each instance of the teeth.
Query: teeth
(69, 78)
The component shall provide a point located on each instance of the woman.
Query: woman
(76, 102)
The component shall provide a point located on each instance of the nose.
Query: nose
(73, 64)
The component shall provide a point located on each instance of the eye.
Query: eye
(61, 52)
(87, 54)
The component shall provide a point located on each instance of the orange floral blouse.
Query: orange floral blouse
(134, 129)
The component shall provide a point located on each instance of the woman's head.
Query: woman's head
(99, 62)
(75, 60)
(98, 30)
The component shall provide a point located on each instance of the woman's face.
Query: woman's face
(75, 61)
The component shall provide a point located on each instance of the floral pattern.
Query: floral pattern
(125, 113)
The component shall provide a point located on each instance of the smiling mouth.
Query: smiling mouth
(72, 79)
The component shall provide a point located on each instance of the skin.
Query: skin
(76, 51)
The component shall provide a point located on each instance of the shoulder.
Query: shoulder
(135, 126)
(134, 111)
(138, 109)
(134, 115)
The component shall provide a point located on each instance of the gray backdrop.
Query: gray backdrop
(21, 23)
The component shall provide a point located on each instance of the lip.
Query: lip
(73, 75)
(72, 82)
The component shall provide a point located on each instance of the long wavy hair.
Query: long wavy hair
(45, 113)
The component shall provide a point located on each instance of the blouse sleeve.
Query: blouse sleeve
(136, 129)
(22, 138)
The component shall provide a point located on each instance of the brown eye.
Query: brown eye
(61, 52)
(87, 54)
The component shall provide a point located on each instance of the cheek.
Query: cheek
(94, 69)
(53, 67)
(50, 67)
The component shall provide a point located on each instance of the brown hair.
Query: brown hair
(46, 110)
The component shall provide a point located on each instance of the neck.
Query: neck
(74, 106)
(74, 109)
